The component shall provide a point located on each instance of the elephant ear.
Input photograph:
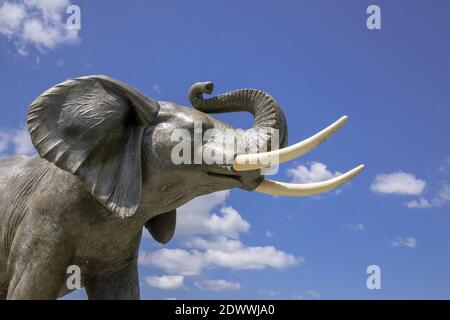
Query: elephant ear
(162, 227)
(92, 127)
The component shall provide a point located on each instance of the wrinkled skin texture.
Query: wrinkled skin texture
(85, 199)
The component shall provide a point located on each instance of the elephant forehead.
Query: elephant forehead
(186, 117)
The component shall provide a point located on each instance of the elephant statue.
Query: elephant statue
(105, 170)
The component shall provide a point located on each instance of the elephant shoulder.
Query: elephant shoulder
(11, 167)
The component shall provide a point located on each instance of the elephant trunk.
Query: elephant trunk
(267, 114)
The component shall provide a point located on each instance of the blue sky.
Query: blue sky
(320, 61)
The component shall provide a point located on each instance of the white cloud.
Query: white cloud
(219, 243)
(401, 183)
(251, 258)
(36, 23)
(409, 242)
(316, 172)
(217, 285)
(15, 141)
(50, 9)
(22, 142)
(4, 142)
(165, 282)
(174, 261)
(422, 203)
(441, 198)
(269, 234)
(270, 293)
(308, 294)
(313, 294)
(11, 16)
(195, 217)
(356, 227)
(34, 31)
(222, 252)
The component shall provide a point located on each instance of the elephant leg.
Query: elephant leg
(38, 263)
(120, 285)
(3, 293)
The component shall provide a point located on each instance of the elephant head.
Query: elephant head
(120, 144)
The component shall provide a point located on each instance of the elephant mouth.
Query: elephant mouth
(248, 181)
(230, 176)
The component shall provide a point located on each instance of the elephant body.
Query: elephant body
(105, 170)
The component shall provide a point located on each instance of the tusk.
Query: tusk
(277, 188)
(246, 162)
